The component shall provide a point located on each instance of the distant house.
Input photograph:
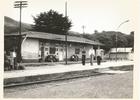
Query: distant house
(38, 45)
(121, 54)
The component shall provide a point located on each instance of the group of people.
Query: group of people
(11, 63)
(10, 60)
(93, 56)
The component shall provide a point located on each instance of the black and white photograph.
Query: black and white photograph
(69, 49)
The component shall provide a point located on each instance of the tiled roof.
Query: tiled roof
(49, 36)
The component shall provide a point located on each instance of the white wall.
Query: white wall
(71, 50)
(30, 49)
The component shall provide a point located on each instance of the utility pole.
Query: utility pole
(83, 27)
(20, 5)
(66, 45)
(117, 36)
(83, 51)
(116, 45)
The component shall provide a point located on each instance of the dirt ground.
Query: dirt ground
(102, 86)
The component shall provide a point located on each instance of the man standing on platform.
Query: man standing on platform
(83, 57)
(91, 54)
(99, 58)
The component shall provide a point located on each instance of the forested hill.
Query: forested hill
(11, 25)
(109, 39)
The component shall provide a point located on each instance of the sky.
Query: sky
(100, 15)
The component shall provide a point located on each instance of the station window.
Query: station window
(77, 51)
(46, 49)
(52, 50)
(56, 49)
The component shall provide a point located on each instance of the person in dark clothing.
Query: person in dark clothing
(6, 62)
(99, 60)
(83, 57)
(99, 56)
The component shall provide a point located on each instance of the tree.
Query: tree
(52, 22)
(95, 31)
(130, 39)
(108, 38)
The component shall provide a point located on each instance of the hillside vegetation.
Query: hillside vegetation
(109, 39)
(11, 26)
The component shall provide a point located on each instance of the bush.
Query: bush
(20, 67)
(51, 58)
(74, 58)
(6, 62)
(6, 65)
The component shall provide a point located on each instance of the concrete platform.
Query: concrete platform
(48, 73)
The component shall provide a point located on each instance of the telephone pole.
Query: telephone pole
(66, 45)
(20, 5)
(83, 27)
